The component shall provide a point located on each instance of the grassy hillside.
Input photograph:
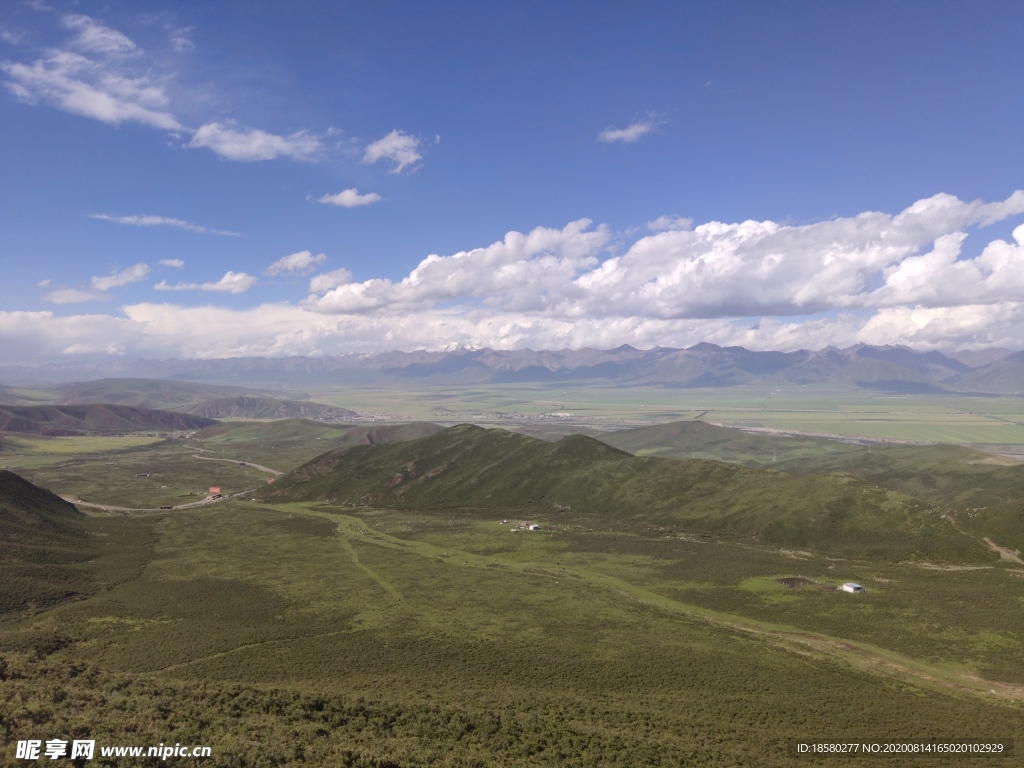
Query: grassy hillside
(85, 419)
(147, 393)
(579, 478)
(290, 636)
(948, 475)
(43, 541)
(247, 407)
(288, 443)
(698, 439)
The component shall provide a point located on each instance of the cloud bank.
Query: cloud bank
(875, 277)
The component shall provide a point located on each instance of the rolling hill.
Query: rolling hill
(55, 420)
(247, 407)
(147, 393)
(287, 443)
(586, 481)
(698, 439)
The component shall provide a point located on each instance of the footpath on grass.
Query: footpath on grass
(862, 656)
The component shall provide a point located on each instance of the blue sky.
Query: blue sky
(214, 137)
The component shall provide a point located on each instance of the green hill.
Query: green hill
(287, 443)
(93, 419)
(582, 480)
(247, 407)
(698, 439)
(44, 540)
(949, 475)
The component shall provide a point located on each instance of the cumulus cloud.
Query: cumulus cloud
(875, 277)
(43, 283)
(399, 147)
(132, 274)
(300, 263)
(251, 144)
(632, 132)
(142, 220)
(176, 263)
(714, 270)
(522, 272)
(350, 198)
(232, 282)
(328, 280)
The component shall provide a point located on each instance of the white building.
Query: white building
(851, 586)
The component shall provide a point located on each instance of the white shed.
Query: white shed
(851, 586)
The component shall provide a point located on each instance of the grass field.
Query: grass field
(924, 418)
(291, 634)
(321, 634)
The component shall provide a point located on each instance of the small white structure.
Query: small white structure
(851, 586)
(533, 527)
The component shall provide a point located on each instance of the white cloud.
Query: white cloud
(69, 296)
(43, 283)
(251, 144)
(95, 37)
(350, 198)
(181, 40)
(11, 36)
(132, 274)
(100, 73)
(522, 272)
(232, 282)
(142, 220)
(666, 223)
(399, 147)
(630, 133)
(328, 280)
(875, 278)
(176, 263)
(297, 263)
(90, 88)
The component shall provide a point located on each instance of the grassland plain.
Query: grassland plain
(964, 419)
(298, 634)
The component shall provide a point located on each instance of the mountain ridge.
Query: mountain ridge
(888, 368)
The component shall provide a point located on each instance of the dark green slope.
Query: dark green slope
(582, 478)
(948, 475)
(683, 439)
(42, 540)
(93, 419)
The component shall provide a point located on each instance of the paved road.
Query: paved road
(239, 461)
(125, 510)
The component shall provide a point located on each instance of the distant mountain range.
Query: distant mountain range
(881, 368)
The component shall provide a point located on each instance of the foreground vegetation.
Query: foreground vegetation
(318, 635)
(386, 605)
